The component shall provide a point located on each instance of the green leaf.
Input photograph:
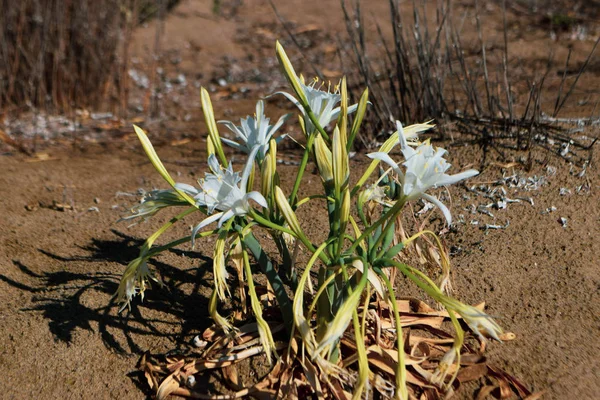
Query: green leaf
(211, 124)
(393, 252)
(158, 165)
(360, 114)
(274, 279)
(342, 318)
(151, 153)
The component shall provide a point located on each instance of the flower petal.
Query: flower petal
(231, 126)
(214, 165)
(235, 145)
(412, 131)
(258, 198)
(401, 136)
(450, 179)
(290, 98)
(381, 156)
(189, 189)
(248, 168)
(439, 205)
(280, 138)
(278, 124)
(352, 108)
(205, 222)
(225, 216)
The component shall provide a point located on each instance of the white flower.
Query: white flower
(374, 193)
(425, 168)
(135, 280)
(322, 103)
(480, 323)
(225, 191)
(254, 132)
(153, 202)
(444, 367)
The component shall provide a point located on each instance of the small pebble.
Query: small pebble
(190, 382)
(564, 191)
(549, 210)
(563, 222)
(199, 343)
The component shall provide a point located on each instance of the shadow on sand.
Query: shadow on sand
(65, 297)
(79, 296)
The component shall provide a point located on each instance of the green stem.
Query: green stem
(420, 279)
(288, 271)
(401, 371)
(309, 143)
(315, 122)
(271, 225)
(159, 249)
(390, 214)
(150, 241)
(274, 279)
(384, 232)
(263, 328)
(324, 311)
(302, 168)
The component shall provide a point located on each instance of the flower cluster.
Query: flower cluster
(225, 191)
(359, 252)
(254, 132)
(424, 168)
(323, 103)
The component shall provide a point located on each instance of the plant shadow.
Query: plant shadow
(80, 296)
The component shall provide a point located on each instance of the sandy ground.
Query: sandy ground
(62, 251)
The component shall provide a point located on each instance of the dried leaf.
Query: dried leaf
(510, 381)
(168, 386)
(472, 359)
(508, 336)
(180, 142)
(472, 372)
(505, 390)
(287, 390)
(338, 392)
(312, 376)
(485, 391)
(307, 28)
(535, 396)
(39, 157)
(416, 320)
(150, 379)
(230, 373)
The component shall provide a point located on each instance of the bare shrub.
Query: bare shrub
(426, 70)
(61, 53)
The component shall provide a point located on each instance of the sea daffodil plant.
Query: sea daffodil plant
(348, 268)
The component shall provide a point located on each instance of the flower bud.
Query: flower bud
(323, 156)
(290, 74)
(286, 210)
(480, 323)
(211, 124)
(210, 147)
(219, 271)
(344, 210)
(268, 170)
(340, 161)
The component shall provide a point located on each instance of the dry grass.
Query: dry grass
(428, 73)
